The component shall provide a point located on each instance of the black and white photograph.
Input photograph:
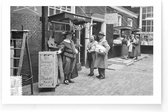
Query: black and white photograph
(82, 50)
(107, 53)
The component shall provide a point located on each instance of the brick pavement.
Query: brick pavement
(136, 79)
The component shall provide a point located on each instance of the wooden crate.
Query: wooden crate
(48, 69)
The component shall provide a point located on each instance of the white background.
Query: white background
(99, 108)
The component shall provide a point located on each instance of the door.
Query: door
(82, 49)
(109, 38)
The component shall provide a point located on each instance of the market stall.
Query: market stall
(57, 25)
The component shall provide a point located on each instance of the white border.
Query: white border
(7, 99)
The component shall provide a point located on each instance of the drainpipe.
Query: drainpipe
(44, 28)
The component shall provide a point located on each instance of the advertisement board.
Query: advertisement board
(48, 69)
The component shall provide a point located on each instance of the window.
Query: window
(68, 8)
(147, 25)
(119, 20)
(52, 10)
(147, 12)
(129, 22)
(147, 19)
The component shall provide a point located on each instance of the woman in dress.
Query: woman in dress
(124, 51)
(131, 47)
(136, 47)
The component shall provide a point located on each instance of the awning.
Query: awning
(145, 33)
(136, 30)
(123, 28)
(76, 19)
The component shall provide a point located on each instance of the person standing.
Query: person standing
(91, 55)
(124, 51)
(69, 52)
(131, 47)
(136, 47)
(139, 45)
(102, 49)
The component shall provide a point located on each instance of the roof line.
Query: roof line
(124, 10)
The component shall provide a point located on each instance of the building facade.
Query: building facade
(30, 18)
(146, 24)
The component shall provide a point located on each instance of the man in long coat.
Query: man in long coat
(101, 56)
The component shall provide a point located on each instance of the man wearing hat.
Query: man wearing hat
(69, 52)
(101, 55)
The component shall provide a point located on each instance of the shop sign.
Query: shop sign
(79, 18)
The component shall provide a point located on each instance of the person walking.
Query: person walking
(91, 55)
(102, 49)
(69, 52)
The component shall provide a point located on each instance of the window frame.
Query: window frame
(60, 8)
(145, 12)
(131, 22)
(119, 20)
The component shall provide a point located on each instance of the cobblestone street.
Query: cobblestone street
(135, 79)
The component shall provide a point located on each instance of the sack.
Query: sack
(100, 48)
(79, 67)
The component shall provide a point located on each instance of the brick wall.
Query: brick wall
(30, 22)
(124, 17)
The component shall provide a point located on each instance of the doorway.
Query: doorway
(82, 48)
(96, 28)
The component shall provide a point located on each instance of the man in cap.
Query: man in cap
(101, 55)
(69, 51)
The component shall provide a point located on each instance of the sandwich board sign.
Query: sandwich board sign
(48, 69)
